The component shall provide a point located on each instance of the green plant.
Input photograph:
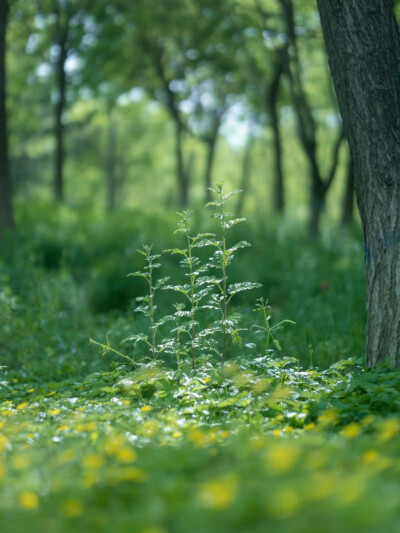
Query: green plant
(197, 289)
(148, 306)
(228, 325)
(263, 307)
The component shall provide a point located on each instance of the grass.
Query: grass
(302, 439)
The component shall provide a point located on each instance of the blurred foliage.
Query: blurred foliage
(262, 444)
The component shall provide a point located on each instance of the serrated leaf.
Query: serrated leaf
(139, 275)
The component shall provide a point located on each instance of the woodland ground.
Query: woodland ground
(299, 440)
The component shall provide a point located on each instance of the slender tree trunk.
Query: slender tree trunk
(246, 173)
(348, 198)
(111, 163)
(6, 206)
(307, 126)
(363, 43)
(183, 178)
(58, 118)
(211, 146)
(173, 109)
(272, 107)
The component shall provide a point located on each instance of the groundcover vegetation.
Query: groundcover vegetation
(205, 413)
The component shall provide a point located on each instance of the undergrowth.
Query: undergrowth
(283, 436)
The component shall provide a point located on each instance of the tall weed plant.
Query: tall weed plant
(205, 289)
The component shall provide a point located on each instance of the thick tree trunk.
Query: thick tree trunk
(6, 206)
(58, 118)
(348, 198)
(272, 108)
(363, 43)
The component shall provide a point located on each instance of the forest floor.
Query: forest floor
(261, 445)
(300, 439)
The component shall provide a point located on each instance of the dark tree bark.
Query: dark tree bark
(348, 198)
(307, 126)
(272, 108)
(6, 206)
(59, 109)
(363, 43)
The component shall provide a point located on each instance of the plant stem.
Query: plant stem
(192, 302)
(151, 305)
(224, 279)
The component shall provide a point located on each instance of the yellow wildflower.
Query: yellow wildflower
(22, 406)
(28, 500)
(129, 473)
(146, 408)
(197, 436)
(113, 444)
(351, 430)
(328, 417)
(31, 390)
(370, 456)
(219, 493)
(126, 455)
(93, 461)
(388, 430)
(177, 434)
(281, 457)
(149, 428)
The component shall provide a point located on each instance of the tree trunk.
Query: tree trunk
(6, 206)
(111, 164)
(58, 118)
(246, 172)
(348, 198)
(173, 109)
(211, 146)
(363, 43)
(183, 178)
(272, 108)
(307, 126)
